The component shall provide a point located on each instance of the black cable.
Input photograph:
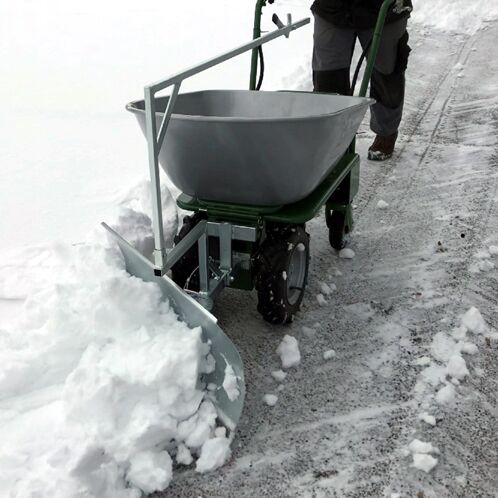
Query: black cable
(358, 66)
(261, 67)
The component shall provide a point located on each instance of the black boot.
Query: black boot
(382, 147)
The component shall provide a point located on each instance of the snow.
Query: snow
(329, 354)
(428, 419)
(422, 459)
(108, 377)
(183, 455)
(457, 367)
(230, 383)
(327, 289)
(424, 462)
(279, 375)
(443, 347)
(469, 348)
(417, 446)
(214, 453)
(382, 204)
(474, 321)
(270, 399)
(423, 361)
(321, 299)
(346, 253)
(70, 161)
(446, 395)
(462, 16)
(150, 471)
(289, 353)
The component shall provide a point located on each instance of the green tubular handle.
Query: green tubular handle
(372, 54)
(256, 34)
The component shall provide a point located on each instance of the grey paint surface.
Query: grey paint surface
(256, 148)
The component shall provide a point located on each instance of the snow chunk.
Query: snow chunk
(214, 453)
(230, 383)
(457, 367)
(428, 419)
(422, 361)
(459, 333)
(382, 204)
(417, 446)
(270, 399)
(446, 395)
(279, 375)
(443, 347)
(321, 299)
(327, 289)
(328, 355)
(183, 455)
(468, 348)
(289, 353)
(474, 321)
(424, 462)
(434, 374)
(346, 253)
(493, 250)
(150, 471)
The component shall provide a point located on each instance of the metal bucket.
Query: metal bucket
(255, 148)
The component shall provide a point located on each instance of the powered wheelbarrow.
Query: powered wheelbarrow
(253, 167)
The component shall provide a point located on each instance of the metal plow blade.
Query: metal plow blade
(192, 313)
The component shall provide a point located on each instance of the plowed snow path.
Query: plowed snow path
(340, 427)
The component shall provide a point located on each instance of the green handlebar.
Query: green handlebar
(256, 34)
(372, 54)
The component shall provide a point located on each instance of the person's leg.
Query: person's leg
(387, 87)
(332, 52)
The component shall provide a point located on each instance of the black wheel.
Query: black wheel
(339, 224)
(282, 272)
(185, 272)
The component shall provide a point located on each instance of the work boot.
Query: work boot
(382, 147)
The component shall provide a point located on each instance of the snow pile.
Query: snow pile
(99, 384)
(289, 353)
(460, 15)
(134, 225)
(382, 204)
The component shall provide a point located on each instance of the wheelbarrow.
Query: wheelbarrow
(253, 167)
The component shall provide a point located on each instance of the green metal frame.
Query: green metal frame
(345, 172)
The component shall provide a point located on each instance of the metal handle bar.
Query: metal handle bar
(155, 139)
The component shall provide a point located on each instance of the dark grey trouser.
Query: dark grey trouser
(332, 53)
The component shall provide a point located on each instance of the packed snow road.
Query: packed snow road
(345, 426)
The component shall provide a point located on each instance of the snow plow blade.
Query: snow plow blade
(191, 312)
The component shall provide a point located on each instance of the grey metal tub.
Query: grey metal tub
(255, 148)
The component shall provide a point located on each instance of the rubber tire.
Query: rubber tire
(185, 267)
(338, 229)
(273, 260)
